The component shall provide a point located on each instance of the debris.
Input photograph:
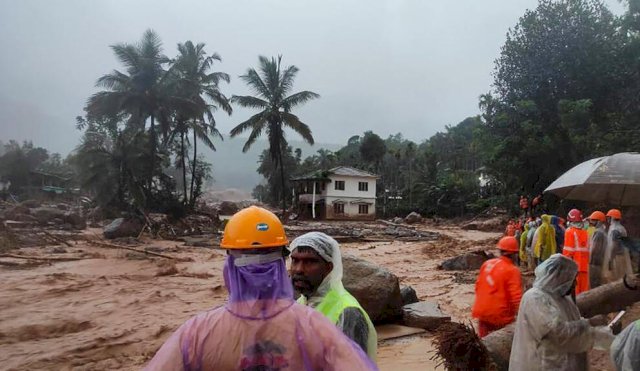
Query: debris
(397, 220)
(458, 347)
(38, 258)
(228, 208)
(469, 261)
(376, 289)
(424, 314)
(108, 245)
(409, 295)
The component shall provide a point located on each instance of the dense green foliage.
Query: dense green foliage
(141, 123)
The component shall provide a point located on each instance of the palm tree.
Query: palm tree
(271, 87)
(140, 93)
(199, 88)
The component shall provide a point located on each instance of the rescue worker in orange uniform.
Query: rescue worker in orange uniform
(576, 248)
(511, 228)
(498, 289)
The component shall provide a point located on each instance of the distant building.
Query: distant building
(341, 193)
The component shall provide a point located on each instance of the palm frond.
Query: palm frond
(128, 55)
(116, 80)
(286, 81)
(256, 121)
(293, 122)
(249, 102)
(297, 99)
(255, 82)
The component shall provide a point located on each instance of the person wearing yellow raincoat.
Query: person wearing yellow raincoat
(523, 242)
(545, 245)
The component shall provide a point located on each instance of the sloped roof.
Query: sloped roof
(323, 175)
(350, 171)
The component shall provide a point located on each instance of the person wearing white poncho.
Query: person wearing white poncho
(316, 273)
(549, 332)
(625, 350)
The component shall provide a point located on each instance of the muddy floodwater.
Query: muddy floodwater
(113, 309)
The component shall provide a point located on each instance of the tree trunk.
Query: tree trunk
(284, 196)
(184, 169)
(193, 169)
(605, 299)
(152, 136)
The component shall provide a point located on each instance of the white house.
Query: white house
(339, 193)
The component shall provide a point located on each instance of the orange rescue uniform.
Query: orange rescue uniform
(498, 294)
(576, 248)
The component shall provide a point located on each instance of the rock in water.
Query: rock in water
(423, 314)
(413, 217)
(409, 295)
(122, 227)
(466, 262)
(376, 289)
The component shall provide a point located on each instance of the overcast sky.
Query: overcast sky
(383, 65)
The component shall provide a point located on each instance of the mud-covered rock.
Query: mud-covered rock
(469, 261)
(76, 220)
(494, 224)
(409, 295)
(122, 227)
(376, 288)
(31, 204)
(413, 218)
(424, 314)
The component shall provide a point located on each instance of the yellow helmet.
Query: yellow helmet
(253, 228)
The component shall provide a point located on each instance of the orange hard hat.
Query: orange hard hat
(615, 214)
(253, 228)
(509, 244)
(597, 215)
(574, 215)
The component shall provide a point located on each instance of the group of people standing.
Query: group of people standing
(567, 260)
(594, 243)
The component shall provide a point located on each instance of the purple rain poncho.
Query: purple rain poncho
(260, 328)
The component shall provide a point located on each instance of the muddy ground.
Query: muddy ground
(114, 308)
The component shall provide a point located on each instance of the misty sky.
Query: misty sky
(383, 65)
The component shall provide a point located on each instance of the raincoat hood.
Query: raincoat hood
(329, 250)
(556, 275)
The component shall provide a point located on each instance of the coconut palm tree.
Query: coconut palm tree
(140, 92)
(199, 89)
(271, 85)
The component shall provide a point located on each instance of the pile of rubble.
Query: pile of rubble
(347, 231)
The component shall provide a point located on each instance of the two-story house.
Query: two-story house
(339, 193)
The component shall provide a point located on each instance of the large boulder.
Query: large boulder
(76, 220)
(413, 218)
(469, 261)
(121, 227)
(377, 289)
(31, 203)
(493, 224)
(409, 295)
(47, 215)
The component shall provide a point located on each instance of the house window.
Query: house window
(338, 208)
(339, 185)
(363, 186)
(363, 209)
(322, 186)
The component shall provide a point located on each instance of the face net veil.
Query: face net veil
(257, 291)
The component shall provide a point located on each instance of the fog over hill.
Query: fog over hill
(234, 169)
